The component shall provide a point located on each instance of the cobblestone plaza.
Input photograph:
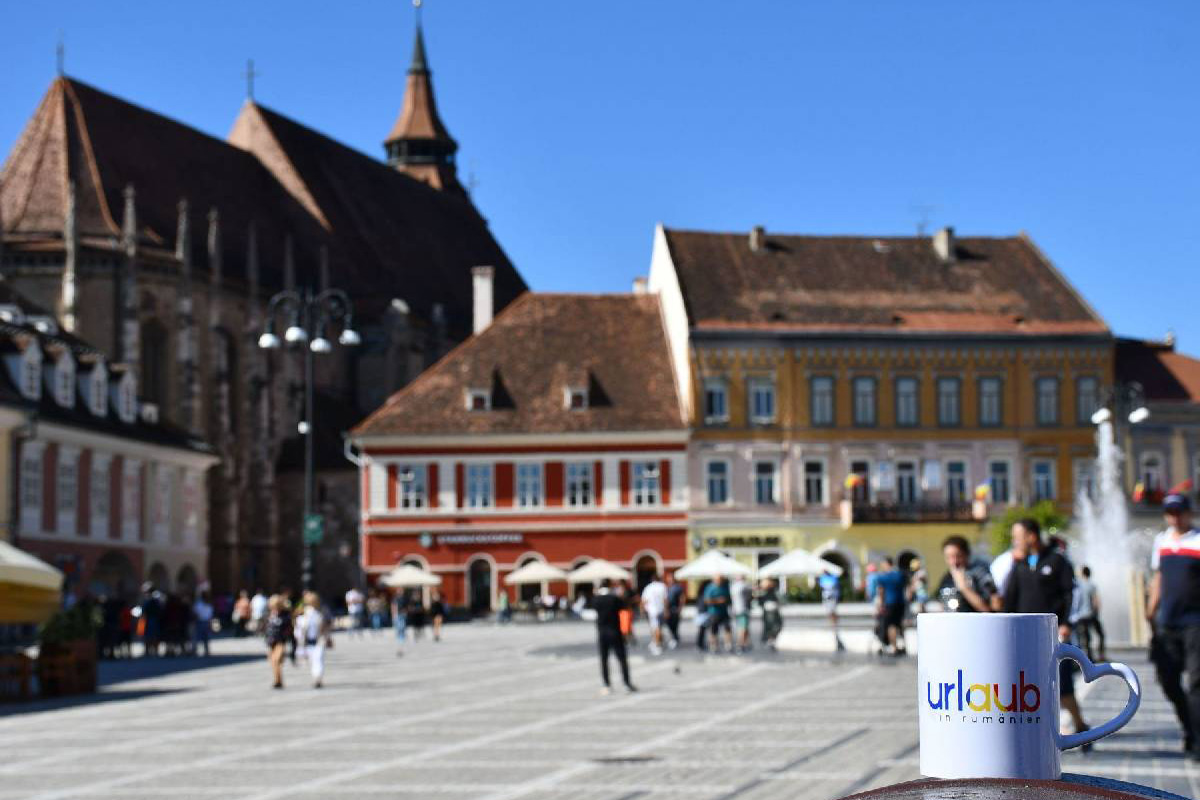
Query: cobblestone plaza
(511, 712)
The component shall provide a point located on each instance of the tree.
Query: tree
(1046, 513)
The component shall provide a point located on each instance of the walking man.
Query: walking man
(1085, 614)
(608, 607)
(740, 596)
(1043, 582)
(717, 600)
(891, 603)
(654, 603)
(355, 609)
(831, 595)
(676, 599)
(1174, 613)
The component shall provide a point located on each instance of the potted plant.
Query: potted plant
(67, 653)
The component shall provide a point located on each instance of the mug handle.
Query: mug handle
(1090, 673)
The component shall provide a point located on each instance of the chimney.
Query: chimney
(639, 285)
(758, 238)
(481, 280)
(943, 245)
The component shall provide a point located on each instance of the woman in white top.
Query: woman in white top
(313, 627)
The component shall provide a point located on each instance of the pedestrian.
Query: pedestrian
(627, 598)
(127, 626)
(437, 613)
(608, 606)
(891, 605)
(356, 610)
(258, 611)
(654, 603)
(416, 616)
(504, 616)
(376, 608)
(1085, 614)
(241, 613)
(400, 620)
(918, 586)
(676, 600)
(277, 629)
(966, 586)
(831, 594)
(202, 617)
(768, 600)
(1042, 581)
(702, 619)
(293, 610)
(149, 614)
(1174, 613)
(740, 598)
(315, 628)
(717, 601)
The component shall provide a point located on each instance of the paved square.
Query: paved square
(494, 713)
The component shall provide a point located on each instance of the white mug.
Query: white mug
(988, 691)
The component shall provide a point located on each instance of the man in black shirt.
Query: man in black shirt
(1042, 581)
(608, 632)
(966, 586)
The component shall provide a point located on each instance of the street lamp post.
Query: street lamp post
(309, 318)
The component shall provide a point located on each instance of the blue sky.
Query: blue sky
(586, 123)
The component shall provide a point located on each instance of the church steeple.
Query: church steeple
(419, 144)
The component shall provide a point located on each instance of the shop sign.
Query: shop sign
(481, 538)
(750, 541)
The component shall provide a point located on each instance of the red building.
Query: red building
(555, 433)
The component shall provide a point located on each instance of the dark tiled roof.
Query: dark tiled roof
(387, 234)
(395, 236)
(1164, 374)
(614, 345)
(897, 284)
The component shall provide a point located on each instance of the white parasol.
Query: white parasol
(535, 572)
(712, 564)
(798, 562)
(406, 576)
(597, 570)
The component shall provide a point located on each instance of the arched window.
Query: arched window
(154, 362)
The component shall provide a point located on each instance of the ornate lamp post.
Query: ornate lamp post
(309, 319)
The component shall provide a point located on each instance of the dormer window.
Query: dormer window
(31, 372)
(479, 400)
(64, 380)
(576, 398)
(98, 390)
(127, 398)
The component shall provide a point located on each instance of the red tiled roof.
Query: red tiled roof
(898, 284)
(614, 345)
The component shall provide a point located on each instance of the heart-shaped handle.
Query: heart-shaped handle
(1090, 673)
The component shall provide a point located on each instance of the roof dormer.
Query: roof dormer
(126, 397)
(95, 387)
(30, 368)
(63, 379)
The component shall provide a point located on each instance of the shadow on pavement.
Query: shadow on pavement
(76, 701)
(136, 669)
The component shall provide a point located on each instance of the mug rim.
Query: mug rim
(983, 615)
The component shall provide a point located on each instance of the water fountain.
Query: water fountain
(1117, 555)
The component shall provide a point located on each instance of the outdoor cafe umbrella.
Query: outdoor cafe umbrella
(798, 562)
(29, 587)
(407, 576)
(711, 564)
(597, 570)
(535, 572)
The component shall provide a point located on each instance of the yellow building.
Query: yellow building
(856, 395)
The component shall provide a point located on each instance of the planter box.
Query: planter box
(67, 668)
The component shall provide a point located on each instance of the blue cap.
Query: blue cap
(1176, 502)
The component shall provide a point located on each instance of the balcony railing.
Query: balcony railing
(912, 512)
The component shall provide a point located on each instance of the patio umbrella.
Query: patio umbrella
(535, 572)
(711, 564)
(406, 576)
(798, 562)
(597, 570)
(29, 587)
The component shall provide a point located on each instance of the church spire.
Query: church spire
(419, 144)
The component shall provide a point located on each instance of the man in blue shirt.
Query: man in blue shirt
(891, 601)
(717, 600)
(1174, 614)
